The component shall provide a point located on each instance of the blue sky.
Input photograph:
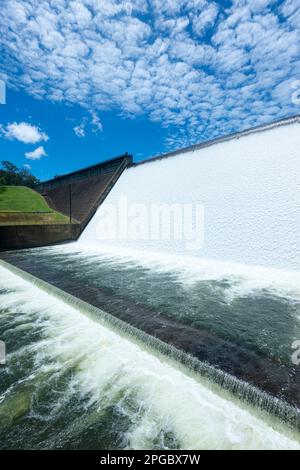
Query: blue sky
(87, 80)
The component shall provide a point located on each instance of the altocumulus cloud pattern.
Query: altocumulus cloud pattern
(195, 65)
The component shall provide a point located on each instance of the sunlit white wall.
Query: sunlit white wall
(249, 188)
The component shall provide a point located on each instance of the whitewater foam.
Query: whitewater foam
(242, 279)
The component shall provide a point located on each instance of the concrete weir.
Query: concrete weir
(190, 364)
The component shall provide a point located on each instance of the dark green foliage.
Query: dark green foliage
(10, 175)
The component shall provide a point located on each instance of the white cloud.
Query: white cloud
(193, 66)
(205, 19)
(94, 123)
(23, 132)
(79, 130)
(36, 154)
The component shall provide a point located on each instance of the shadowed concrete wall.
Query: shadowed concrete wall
(83, 195)
(82, 191)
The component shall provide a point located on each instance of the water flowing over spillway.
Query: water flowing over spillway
(143, 343)
(249, 190)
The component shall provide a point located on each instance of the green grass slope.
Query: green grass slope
(21, 199)
(24, 206)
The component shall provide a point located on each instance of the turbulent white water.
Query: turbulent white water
(244, 279)
(249, 188)
(110, 368)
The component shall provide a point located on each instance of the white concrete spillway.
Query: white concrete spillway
(249, 188)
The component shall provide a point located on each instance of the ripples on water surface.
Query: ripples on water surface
(254, 309)
(98, 390)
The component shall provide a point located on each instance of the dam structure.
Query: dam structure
(79, 194)
(247, 185)
(130, 340)
(76, 195)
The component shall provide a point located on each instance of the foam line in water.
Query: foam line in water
(243, 279)
(213, 378)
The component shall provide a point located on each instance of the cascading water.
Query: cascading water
(180, 336)
(249, 190)
(76, 383)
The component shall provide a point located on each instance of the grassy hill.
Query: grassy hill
(24, 206)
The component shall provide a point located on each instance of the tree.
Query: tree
(28, 179)
(11, 175)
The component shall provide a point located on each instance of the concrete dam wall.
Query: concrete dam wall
(248, 187)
